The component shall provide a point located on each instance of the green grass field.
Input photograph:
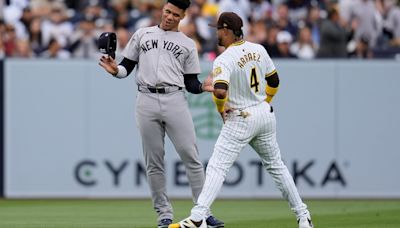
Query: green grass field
(235, 213)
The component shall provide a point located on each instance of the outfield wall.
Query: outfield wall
(70, 131)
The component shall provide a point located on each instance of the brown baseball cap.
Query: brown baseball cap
(229, 20)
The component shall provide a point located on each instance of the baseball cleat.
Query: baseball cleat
(164, 223)
(213, 222)
(188, 223)
(305, 222)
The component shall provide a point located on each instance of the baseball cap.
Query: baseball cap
(229, 20)
(283, 37)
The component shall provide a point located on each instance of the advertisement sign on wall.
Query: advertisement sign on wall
(73, 133)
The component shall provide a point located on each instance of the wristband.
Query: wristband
(220, 103)
(122, 73)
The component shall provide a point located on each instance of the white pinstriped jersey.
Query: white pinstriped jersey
(244, 66)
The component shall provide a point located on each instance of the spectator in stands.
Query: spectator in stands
(42, 8)
(284, 41)
(202, 33)
(261, 10)
(271, 44)
(123, 36)
(314, 23)
(84, 40)
(257, 32)
(391, 23)
(283, 21)
(365, 19)
(140, 10)
(153, 18)
(22, 24)
(298, 9)
(304, 47)
(362, 49)
(35, 36)
(57, 26)
(55, 51)
(92, 10)
(334, 37)
(23, 49)
(10, 41)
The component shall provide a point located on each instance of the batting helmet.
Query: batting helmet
(107, 43)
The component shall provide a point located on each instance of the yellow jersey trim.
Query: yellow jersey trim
(237, 43)
(221, 81)
(270, 74)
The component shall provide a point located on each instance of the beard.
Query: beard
(220, 42)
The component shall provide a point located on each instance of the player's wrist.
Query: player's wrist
(114, 72)
(121, 72)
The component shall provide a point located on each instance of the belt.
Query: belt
(167, 89)
(242, 113)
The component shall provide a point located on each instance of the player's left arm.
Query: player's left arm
(272, 85)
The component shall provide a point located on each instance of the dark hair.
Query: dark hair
(332, 12)
(182, 4)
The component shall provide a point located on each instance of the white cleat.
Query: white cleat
(187, 223)
(305, 222)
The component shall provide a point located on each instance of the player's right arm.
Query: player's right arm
(122, 70)
(221, 77)
(220, 96)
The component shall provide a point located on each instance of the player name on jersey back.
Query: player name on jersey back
(247, 58)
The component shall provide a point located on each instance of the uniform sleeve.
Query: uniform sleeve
(132, 49)
(221, 72)
(192, 63)
(270, 64)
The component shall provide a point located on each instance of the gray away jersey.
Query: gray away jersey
(163, 56)
(243, 66)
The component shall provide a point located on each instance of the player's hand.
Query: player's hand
(224, 116)
(227, 110)
(109, 64)
(207, 84)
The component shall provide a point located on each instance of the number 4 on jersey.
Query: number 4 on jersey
(254, 80)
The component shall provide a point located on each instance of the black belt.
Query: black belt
(159, 89)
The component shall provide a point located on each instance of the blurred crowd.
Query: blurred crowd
(303, 29)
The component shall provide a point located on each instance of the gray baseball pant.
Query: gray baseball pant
(157, 114)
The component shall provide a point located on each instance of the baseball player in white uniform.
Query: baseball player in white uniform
(245, 80)
(166, 61)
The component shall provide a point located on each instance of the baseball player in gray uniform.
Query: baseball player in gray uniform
(166, 62)
(245, 72)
